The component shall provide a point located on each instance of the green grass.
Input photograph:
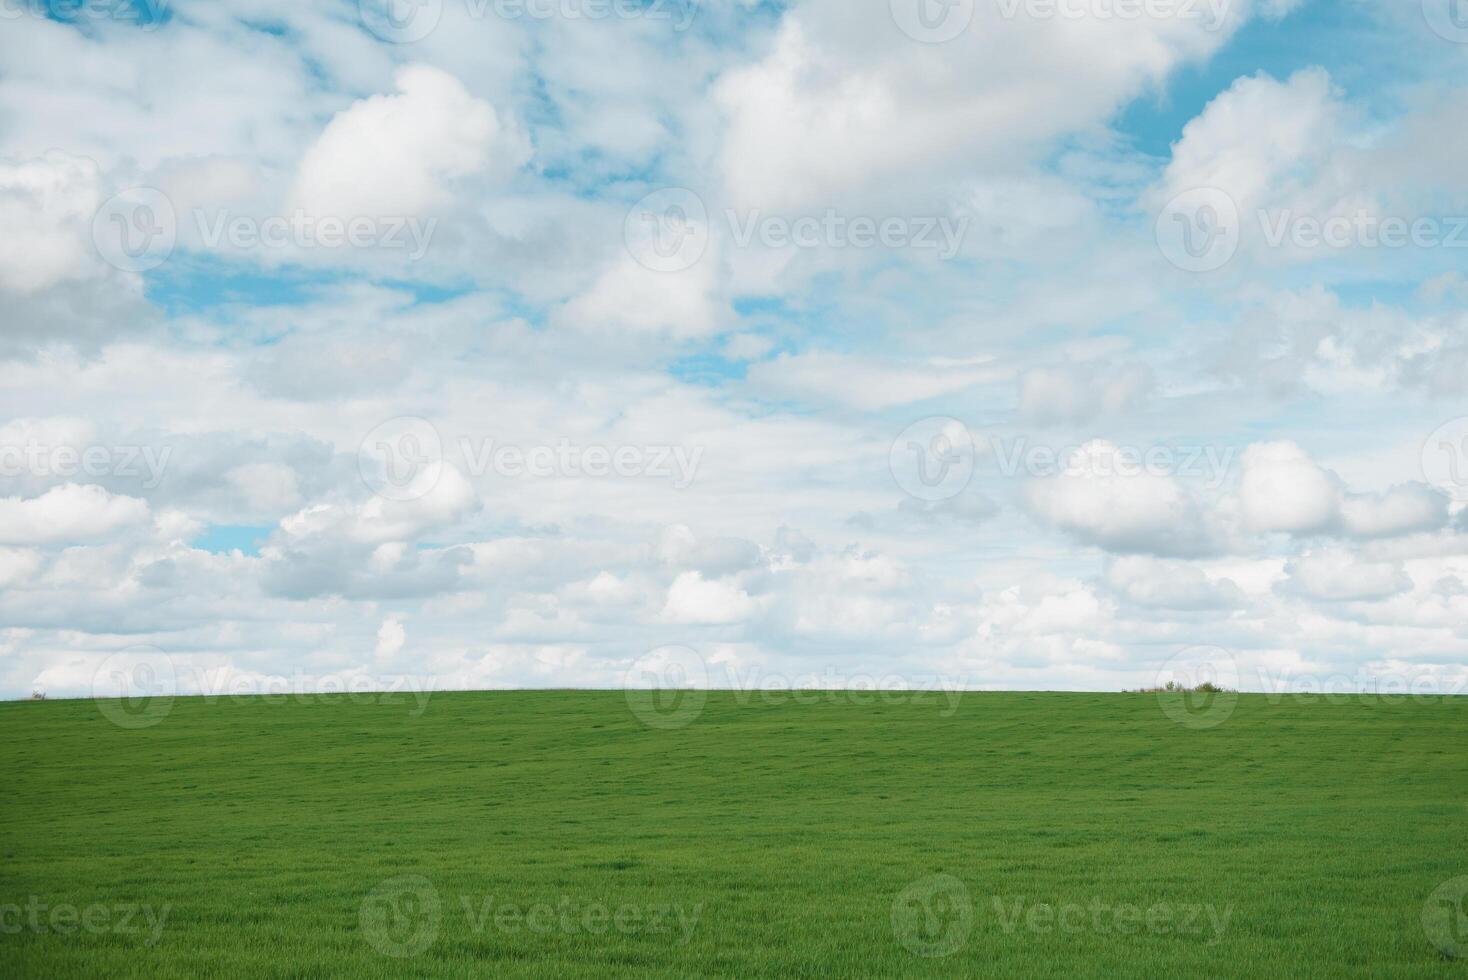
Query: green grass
(1318, 829)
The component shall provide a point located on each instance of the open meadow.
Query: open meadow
(584, 834)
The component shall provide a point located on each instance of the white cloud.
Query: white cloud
(1405, 509)
(1124, 510)
(46, 208)
(399, 154)
(1078, 393)
(18, 565)
(269, 487)
(867, 382)
(694, 599)
(390, 639)
(1165, 584)
(71, 512)
(629, 296)
(846, 107)
(1336, 574)
(1282, 489)
(439, 495)
(1259, 140)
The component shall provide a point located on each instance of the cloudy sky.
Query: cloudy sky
(494, 343)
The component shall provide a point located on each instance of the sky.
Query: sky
(478, 344)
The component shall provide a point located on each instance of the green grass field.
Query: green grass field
(553, 834)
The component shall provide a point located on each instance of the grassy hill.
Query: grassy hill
(555, 834)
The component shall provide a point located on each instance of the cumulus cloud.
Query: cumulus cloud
(628, 296)
(47, 205)
(1077, 393)
(1163, 584)
(695, 600)
(399, 154)
(1283, 490)
(18, 565)
(1339, 575)
(1405, 509)
(845, 107)
(390, 639)
(868, 382)
(71, 512)
(1258, 139)
(438, 496)
(1100, 502)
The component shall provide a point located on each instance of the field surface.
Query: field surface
(556, 834)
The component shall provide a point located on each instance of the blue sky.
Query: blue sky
(1014, 348)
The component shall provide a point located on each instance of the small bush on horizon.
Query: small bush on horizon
(1173, 687)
